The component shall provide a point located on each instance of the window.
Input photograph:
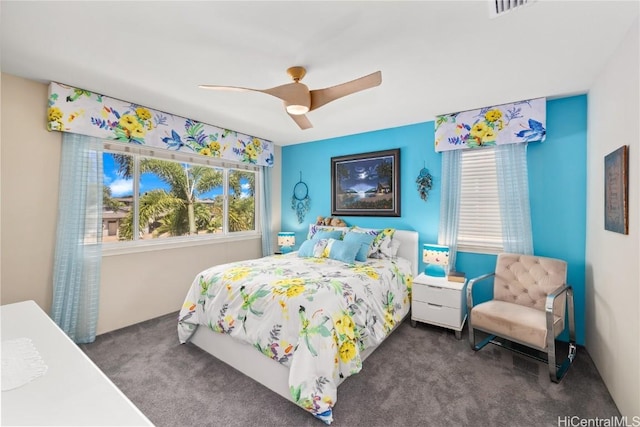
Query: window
(149, 198)
(242, 205)
(485, 200)
(480, 223)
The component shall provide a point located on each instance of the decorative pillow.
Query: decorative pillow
(312, 248)
(341, 250)
(382, 238)
(364, 240)
(326, 234)
(313, 229)
(389, 250)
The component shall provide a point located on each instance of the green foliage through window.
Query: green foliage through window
(174, 198)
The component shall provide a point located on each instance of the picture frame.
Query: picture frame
(616, 190)
(366, 184)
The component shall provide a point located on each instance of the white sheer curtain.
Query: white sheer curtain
(265, 211)
(513, 190)
(450, 203)
(78, 254)
(513, 197)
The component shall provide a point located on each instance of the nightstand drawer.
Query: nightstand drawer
(436, 295)
(435, 314)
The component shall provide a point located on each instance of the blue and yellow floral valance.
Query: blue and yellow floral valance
(523, 121)
(80, 111)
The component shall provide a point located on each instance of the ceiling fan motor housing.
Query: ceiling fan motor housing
(298, 99)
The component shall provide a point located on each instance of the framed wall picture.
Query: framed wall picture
(366, 184)
(616, 190)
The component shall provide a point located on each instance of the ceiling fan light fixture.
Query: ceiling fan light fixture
(297, 110)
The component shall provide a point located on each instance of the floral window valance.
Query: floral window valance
(87, 113)
(523, 121)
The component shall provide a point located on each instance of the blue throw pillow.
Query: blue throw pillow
(364, 240)
(334, 234)
(312, 248)
(343, 251)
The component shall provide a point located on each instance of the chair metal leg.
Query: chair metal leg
(562, 369)
(551, 359)
(557, 372)
(472, 339)
(472, 335)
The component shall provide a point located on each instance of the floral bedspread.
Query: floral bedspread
(314, 315)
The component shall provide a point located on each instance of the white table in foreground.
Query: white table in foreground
(73, 391)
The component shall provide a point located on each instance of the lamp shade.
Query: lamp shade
(436, 258)
(286, 240)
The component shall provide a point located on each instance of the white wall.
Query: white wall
(613, 259)
(140, 286)
(30, 160)
(134, 287)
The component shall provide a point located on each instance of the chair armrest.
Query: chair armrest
(551, 297)
(470, 287)
(549, 305)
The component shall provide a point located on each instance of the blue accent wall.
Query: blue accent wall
(557, 183)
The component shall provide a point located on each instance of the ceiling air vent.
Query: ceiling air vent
(500, 7)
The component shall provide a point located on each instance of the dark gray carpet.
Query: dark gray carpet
(419, 376)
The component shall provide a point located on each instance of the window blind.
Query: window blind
(480, 225)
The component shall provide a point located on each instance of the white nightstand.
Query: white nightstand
(437, 301)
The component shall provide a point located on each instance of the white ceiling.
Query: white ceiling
(436, 57)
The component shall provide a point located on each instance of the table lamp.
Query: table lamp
(286, 240)
(436, 258)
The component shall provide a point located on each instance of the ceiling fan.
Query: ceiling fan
(298, 99)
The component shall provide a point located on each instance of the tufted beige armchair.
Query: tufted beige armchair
(530, 296)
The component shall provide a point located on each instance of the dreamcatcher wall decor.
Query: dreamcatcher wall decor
(424, 182)
(300, 202)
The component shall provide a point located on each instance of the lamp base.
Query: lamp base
(434, 270)
(285, 249)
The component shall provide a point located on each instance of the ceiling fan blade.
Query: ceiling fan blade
(229, 88)
(321, 97)
(298, 99)
(290, 93)
(301, 120)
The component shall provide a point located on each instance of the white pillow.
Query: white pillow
(390, 250)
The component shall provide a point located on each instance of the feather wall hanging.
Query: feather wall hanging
(424, 183)
(300, 201)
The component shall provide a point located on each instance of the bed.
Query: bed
(302, 322)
